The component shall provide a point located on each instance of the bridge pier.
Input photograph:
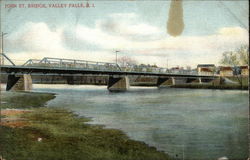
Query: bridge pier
(165, 82)
(19, 83)
(206, 80)
(193, 80)
(118, 84)
(202, 80)
(218, 81)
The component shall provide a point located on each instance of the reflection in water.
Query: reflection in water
(202, 124)
(175, 24)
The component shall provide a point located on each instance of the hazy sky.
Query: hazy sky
(136, 28)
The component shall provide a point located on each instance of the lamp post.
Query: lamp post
(116, 56)
(167, 60)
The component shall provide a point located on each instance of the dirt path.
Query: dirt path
(13, 118)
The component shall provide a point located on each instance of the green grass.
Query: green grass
(65, 136)
(24, 99)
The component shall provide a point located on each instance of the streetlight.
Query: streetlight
(116, 56)
(167, 62)
(167, 57)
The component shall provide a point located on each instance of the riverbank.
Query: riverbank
(211, 86)
(42, 133)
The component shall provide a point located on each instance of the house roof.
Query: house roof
(205, 65)
(175, 68)
(244, 67)
(226, 68)
(206, 70)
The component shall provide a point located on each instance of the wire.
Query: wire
(234, 16)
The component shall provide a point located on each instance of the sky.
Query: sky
(137, 28)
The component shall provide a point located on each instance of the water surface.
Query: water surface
(185, 123)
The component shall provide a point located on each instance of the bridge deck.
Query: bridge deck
(83, 71)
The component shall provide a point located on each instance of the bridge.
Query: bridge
(20, 76)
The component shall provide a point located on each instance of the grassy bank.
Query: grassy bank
(58, 134)
(24, 100)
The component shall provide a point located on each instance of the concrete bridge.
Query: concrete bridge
(20, 76)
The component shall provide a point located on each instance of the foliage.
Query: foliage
(243, 52)
(238, 57)
(126, 61)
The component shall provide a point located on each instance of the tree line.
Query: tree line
(238, 57)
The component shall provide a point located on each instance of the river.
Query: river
(184, 123)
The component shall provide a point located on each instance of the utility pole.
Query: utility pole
(116, 56)
(2, 47)
(1, 63)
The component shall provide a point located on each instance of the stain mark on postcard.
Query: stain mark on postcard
(175, 23)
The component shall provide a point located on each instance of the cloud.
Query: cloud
(35, 37)
(128, 25)
(37, 40)
(142, 41)
(232, 31)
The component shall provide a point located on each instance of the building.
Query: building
(244, 70)
(175, 70)
(207, 69)
(226, 71)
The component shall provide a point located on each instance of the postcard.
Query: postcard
(124, 80)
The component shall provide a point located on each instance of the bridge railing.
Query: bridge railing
(150, 69)
(104, 66)
(31, 62)
(71, 63)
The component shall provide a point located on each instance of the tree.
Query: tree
(243, 52)
(238, 57)
(126, 61)
(229, 58)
